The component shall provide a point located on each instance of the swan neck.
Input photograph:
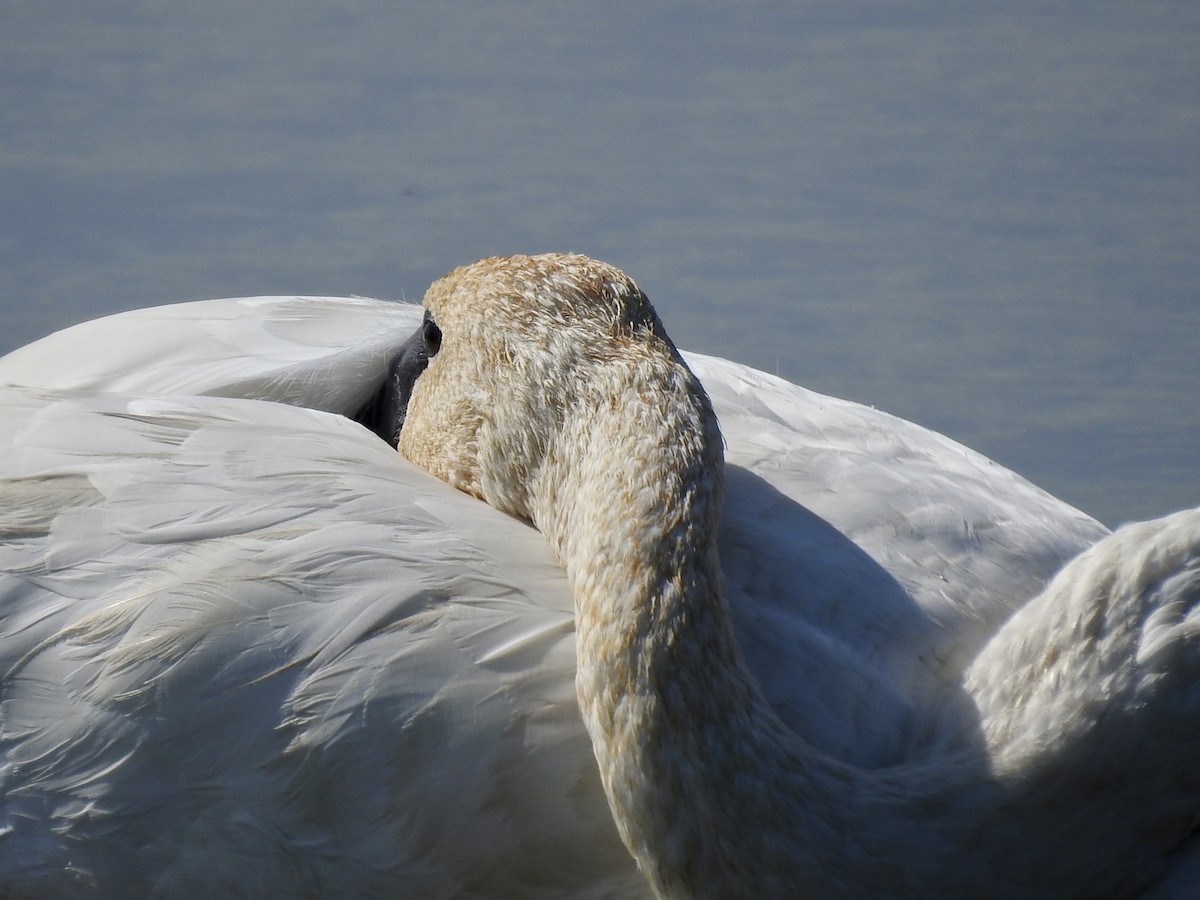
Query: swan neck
(660, 680)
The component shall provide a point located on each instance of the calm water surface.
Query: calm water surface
(984, 217)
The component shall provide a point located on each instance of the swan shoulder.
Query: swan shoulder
(263, 605)
(946, 521)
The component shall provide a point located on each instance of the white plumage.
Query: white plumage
(247, 650)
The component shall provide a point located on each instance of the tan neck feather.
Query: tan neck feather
(660, 681)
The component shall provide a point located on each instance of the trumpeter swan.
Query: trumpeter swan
(247, 650)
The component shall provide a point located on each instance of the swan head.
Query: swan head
(520, 350)
(553, 393)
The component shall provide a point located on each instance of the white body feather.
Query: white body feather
(248, 651)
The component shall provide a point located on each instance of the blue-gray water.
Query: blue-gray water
(981, 216)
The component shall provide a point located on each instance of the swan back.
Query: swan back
(200, 567)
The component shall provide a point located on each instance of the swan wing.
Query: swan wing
(328, 353)
(889, 552)
(245, 644)
(1114, 637)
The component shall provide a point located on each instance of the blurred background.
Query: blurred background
(981, 216)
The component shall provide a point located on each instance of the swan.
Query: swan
(246, 649)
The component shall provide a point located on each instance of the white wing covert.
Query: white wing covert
(238, 633)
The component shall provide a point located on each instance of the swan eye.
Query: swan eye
(431, 335)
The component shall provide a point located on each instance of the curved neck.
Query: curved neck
(661, 683)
